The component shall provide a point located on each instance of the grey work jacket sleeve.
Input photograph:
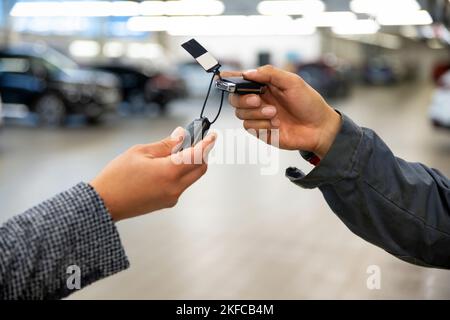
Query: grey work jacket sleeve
(400, 206)
(44, 249)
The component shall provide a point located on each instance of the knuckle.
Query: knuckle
(173, 193)
(166, 145)
(136, 148)
(203, 169)
(243, 101)
(267, 67)
(172, 202)
(174, 173)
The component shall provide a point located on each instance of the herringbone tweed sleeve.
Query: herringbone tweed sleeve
(41, 248)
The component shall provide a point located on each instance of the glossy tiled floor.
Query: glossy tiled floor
(236, 233)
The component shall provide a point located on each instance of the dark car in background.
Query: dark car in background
(379, 71)
(53, 86)
(1, 113)
(140, 86)
(329, 81)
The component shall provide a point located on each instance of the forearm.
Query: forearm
(402, 207)
(70, 229)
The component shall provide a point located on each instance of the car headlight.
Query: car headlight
(107, 95)
(72, 92)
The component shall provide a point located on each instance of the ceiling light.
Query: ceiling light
(125, 8)
(84, 48)
(421, 17)
(144, 50)
(374, 7)
(61, 9)
(113, 49)
(142, 24)
(182, 8)
(196, 26)
(330, 19)
(254, 26)
(193, 7)
(116, 8)
(290, 7)
(357, 27)
(152, 8)
(236, 25)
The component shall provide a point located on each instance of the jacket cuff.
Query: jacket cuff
(337, 163)
(98, 250)
(58, 246)
(86, 238)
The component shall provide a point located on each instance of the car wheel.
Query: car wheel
(163, 109)
(137, 101)
(51, 110)
(93, 113)
(94, 120)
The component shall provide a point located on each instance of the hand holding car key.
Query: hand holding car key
(198, 128)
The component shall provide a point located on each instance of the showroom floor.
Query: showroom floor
(236, 233)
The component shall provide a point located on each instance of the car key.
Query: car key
(198, 128)
(195, 132)
(240, 85)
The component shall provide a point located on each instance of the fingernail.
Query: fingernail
(211, 137)
(275, 122)
(252, 132)
(269, 111)
(177, 134)
(253, 101)
(251, 71)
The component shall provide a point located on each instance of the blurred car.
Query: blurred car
(1, 114)
(195, 77)
(53, 86)
(140, 87)
(439, 70)
(440, 105)
(327, 80)
(378, 71)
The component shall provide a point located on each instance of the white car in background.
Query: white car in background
(440, 105)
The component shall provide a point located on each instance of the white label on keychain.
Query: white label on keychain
(207, 61)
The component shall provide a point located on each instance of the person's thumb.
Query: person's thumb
(270, 75)
(167, 146)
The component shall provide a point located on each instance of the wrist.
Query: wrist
(328, 132)
(110, 206)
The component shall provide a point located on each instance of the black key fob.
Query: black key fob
(195, 131)
(239, 85)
